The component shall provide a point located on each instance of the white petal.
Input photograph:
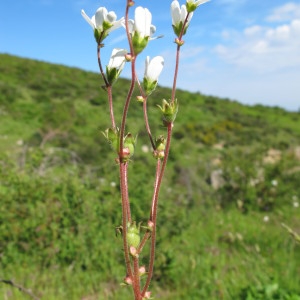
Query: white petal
(111, 17)
(142, 21)
(117, 59)
(199, 2)
(130, 25)
(190, 17)
(175, 12)
(86, 17)
(117, 24)
(183, 13)
(100, 17)
(147, 60)
(154, 68)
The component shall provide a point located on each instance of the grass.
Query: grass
(60, 202)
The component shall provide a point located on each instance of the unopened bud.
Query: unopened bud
(133, 235)
(142, 270)
(179, 42)
(150, 225)
(128, 280)
(169, 111)
(128, 57)
(133, 251)
(147, 295)
(140, 99)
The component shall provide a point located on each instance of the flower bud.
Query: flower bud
(150, 225)
(129, 147)
(147, 295)
(160, 145)
(169, 111)
(128, 280)
(133, 235)
(112, 136)
(133, 251)
(142, 270)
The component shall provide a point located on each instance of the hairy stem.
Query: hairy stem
(125, 214)
(136, 279)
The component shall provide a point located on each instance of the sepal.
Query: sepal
(169, 111)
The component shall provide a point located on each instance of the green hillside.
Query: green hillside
(232, 180)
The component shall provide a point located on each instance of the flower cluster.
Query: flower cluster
(139, 32)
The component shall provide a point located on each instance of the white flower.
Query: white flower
(117, 59)
(103, 22)
(191, 5)
(115, 64)
(141, 29)
(153, 67)
(142, 23)
(179, 15)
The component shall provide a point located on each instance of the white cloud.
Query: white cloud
(264, 49)
(286, 12)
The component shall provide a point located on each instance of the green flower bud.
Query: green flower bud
(129, 146)
(133, 235)
(160, 145)
(112, 136)
(169, 111)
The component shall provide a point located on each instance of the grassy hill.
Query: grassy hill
(232, 180)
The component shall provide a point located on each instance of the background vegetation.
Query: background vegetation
(232, 180)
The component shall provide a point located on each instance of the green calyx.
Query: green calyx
(190, 7)
(178, 28)
(129, 147)
(100, 35)
(149, 86)
(112, 75)
(139, 43)
(133, 235)
(169, 111)
(112, 137)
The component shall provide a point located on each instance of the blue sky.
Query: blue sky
(246, 50)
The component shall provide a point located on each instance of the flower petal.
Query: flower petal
(154, 67)
(175, 12)
(86, 17)
(100, 17)
(111, 17)
(142, 21)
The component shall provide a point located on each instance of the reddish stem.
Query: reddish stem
(136, 279)
(125, 214)
(153, 215)
(111, 109)
(108, 87)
